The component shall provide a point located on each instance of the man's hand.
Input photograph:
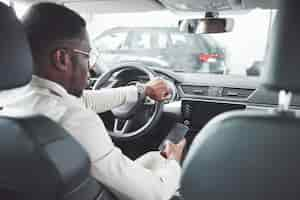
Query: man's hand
(174, 151)
(157, 89)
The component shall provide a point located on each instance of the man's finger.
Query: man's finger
(182, 143)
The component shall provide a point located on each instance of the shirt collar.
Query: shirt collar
(7, 96)
(53, 87)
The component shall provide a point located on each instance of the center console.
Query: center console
(196, 113)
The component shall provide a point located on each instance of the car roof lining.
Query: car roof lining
(117, 6)
(106, 6)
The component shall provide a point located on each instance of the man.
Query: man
(60, 47)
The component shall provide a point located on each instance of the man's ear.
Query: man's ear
(61, 59)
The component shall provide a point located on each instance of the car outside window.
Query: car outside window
(157, 39)
(154, 37)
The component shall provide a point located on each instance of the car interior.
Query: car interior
(243, 140)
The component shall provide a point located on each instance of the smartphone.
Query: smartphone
(176, 134)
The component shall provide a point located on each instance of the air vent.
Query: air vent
(195, 90)
(237, 93)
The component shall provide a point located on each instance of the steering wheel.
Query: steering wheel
(124, 115)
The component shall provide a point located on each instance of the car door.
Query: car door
(139, 45)
(160, 47)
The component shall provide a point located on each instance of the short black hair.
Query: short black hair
(46, 23)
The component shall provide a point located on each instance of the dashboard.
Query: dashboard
(198, 97)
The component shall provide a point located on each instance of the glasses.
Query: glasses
(92, 56)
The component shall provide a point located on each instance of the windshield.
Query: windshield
(153, 38)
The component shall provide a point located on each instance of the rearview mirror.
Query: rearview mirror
(206, 25)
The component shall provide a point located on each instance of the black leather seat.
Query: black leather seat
(38, 159)
(254, 155)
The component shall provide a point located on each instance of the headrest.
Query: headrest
(282, 71)
(15, 54)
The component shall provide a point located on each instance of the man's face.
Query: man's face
(79, 73)
(70, 63)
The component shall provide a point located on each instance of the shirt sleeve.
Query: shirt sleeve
(106, 99)
(130, 180)
(127, 179)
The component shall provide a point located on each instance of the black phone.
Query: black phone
(176, 134)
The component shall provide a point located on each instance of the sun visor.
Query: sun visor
(264, 4)
(113, 6)
(282, 71)
(202, 5)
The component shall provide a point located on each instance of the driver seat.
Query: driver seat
(38, 159)
(254, 155)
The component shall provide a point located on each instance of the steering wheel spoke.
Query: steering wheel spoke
(122, 126)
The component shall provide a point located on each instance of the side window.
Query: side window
(113, 41)
(140, 40)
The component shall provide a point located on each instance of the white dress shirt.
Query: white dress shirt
(150, 177)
